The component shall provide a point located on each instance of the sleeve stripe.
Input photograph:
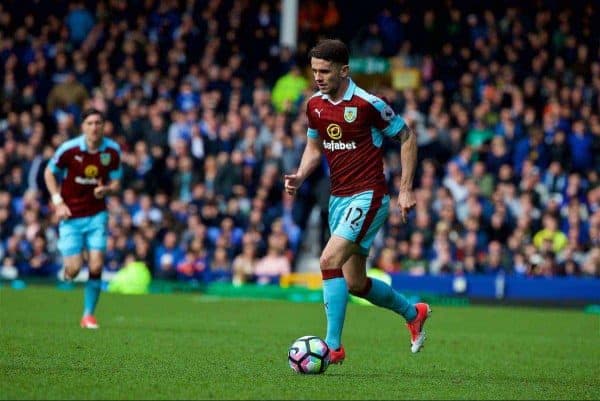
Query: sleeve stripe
(113, 145)
(371, 99)
(53, 167)
(58, 154)
(312, 133)
(116, 174)
(395, 126)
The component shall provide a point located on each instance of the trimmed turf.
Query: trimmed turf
(188, 346)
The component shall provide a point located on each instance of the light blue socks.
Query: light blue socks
(91, 293)
(335, 296)
(381, 294)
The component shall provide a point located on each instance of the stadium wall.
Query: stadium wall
(504, 288)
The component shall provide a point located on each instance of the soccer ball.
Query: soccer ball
(309, 355)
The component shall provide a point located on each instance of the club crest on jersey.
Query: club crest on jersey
(105, 159)
(334, 131)
(350, 114)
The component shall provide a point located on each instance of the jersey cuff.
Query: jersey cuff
(116, 174)
(312, 133)
(394, 128)
(54, 168)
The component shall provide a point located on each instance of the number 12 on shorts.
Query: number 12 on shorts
(353, 216)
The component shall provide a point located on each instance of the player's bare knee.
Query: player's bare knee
(329, 261)
(72, 270)
(95, 270)
(95, 263)
(356, 285)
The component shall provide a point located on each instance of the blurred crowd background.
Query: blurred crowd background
(208, 108)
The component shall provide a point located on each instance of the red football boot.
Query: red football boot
(417, 335)
(337, 356)
(89, 322)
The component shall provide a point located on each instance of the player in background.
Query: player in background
(82, 172)
(348, 125)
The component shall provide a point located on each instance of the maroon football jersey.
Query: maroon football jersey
(82, 171)
(351, 131)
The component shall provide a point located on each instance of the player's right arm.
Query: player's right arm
(53, 168)
(311, 159)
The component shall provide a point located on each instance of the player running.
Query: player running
(348, 125)
(89, 169)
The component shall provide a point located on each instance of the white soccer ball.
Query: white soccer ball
(309, 355)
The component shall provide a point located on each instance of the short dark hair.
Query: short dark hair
(332, 50)
(90, 112)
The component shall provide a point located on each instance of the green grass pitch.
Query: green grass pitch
(189, 346)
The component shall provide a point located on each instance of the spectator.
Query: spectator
(67, 96)
(80, 22)
(244, 264)
(194, 265)
(532, 148)
(580, 143)
(184, 179)
(415, 262)
(275, 263)
(494, 262)
(288, 90)
(591, 265)
(220, 265)
(39, 262)
(549, 237)
(387, 262)
(168, 256)
(146, 212)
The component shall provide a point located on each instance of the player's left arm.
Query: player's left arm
(113, 187)
(395, 127)
(408, 159)
(408, 156)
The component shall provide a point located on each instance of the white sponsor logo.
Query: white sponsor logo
(318, 112)
(336, 145)
(78, 158)
(86, 181)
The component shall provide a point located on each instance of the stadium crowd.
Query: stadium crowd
(208, 109)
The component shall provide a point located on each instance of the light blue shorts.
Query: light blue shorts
(76, 233)
(357, 218)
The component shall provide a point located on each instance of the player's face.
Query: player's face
(328, 76)
(92, 127)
